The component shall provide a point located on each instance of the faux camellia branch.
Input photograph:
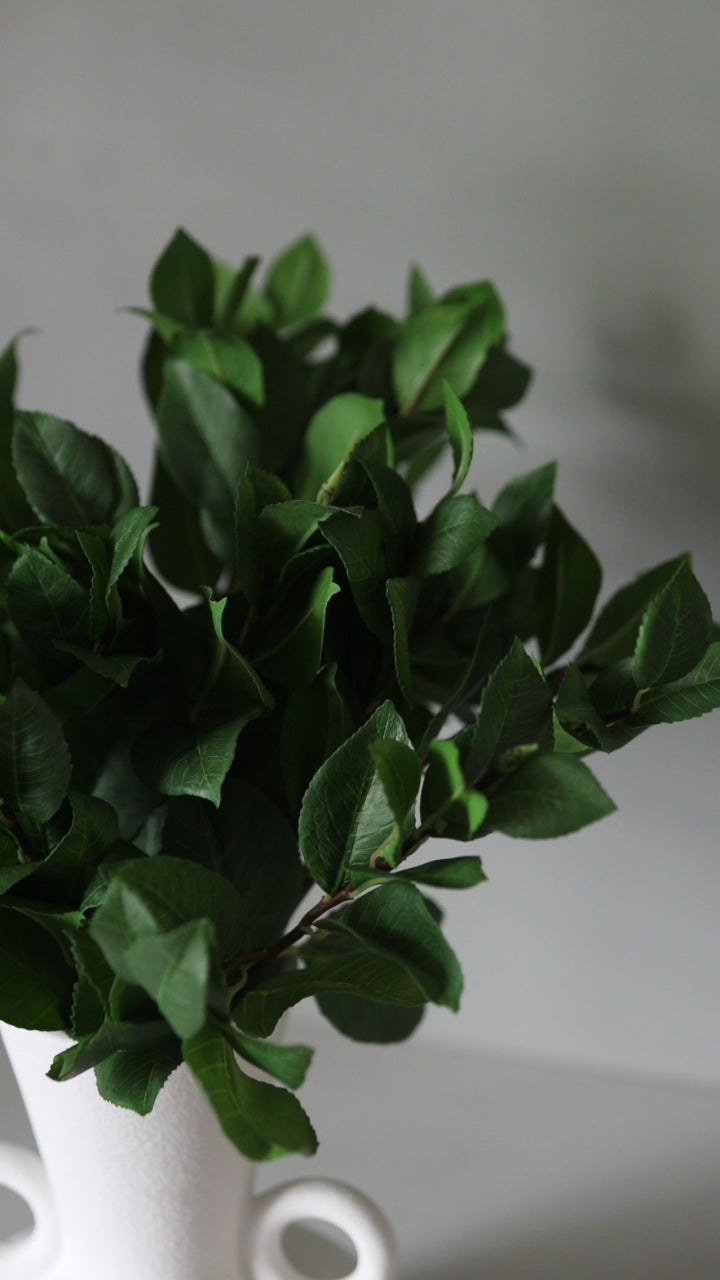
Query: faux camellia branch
(247, 688)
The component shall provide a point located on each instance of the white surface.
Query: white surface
(566, 149)
(500, 1168)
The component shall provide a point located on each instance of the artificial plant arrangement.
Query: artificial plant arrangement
(214, 810)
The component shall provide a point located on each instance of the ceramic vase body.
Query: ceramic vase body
(158, 1197)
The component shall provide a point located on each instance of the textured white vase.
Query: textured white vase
(117, 1196)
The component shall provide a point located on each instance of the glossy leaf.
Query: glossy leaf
(614, 633)
(329, 439)
(694, 694)
(448, 341)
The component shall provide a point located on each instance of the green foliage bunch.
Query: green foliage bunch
(212, 811)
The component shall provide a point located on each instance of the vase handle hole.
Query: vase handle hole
(319, 1250)
(17, 1219)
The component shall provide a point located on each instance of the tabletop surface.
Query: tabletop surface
(495, 1167)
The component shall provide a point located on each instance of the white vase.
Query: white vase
(117, 1196)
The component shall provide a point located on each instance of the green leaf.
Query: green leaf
(206, 442)
(119, 668)
(260, 1119)
(177, 543)
(187, 760)
(614, 633)
(548, 796)
(153, 896)
(568, 586)
(694, 694)
(317, 721)
(286, 527)
(15, 513)
(368, 1022)
(35, 981)
(359, 543)
(446, 798)
(451, 533)
(100, 1044)
(133, 1078)
(233, 685)
(393, 921)
(288, 1063)
(345, 816)
(298, 282)
(356, 973)
(420, 295)
(44, 600)
(447, 341)
(523, 509)
(70, 477)
(175, 969)
(256, 491)
(461, 437)
(399, 770)
(516, 709)
(233, 293)
(293, 645)
(182, 284)
(332, 433)
(129, 533)
(675, 631)
(66, 872)
(447, 873)
(402, 596)
(35, 764)
(231, 361)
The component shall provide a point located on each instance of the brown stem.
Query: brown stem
(293, 935)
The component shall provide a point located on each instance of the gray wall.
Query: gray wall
(568, 150)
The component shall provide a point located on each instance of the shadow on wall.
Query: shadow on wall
(649, 1237)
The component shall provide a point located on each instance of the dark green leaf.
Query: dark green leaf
(367, 1021)
(567, 585)
(317, 721)
(133, 1078)
(420, 295)
(359, 543)
(523, 509)
(288, 1063)
(694, 694)
(186, 760)
(35, 765)
(292, 650)
(177, 543)
(35, 981)
(70, 477)
(446, 798)
(548, 796)
(675, 631)
(402, 597)
(206, 441)
(447, 873)
(451, 533)
(260, 1119)
(399, 770)
(393, 921)
(515, 710)
(94, 1048)
(44, 600)
(345, 817)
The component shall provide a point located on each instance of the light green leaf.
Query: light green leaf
(675, 631)
(461, 437)
(230, 360)
(345, 816)
(298, 282)
(182, 284)
(331, 435)
(399, 770)
(447, 341)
